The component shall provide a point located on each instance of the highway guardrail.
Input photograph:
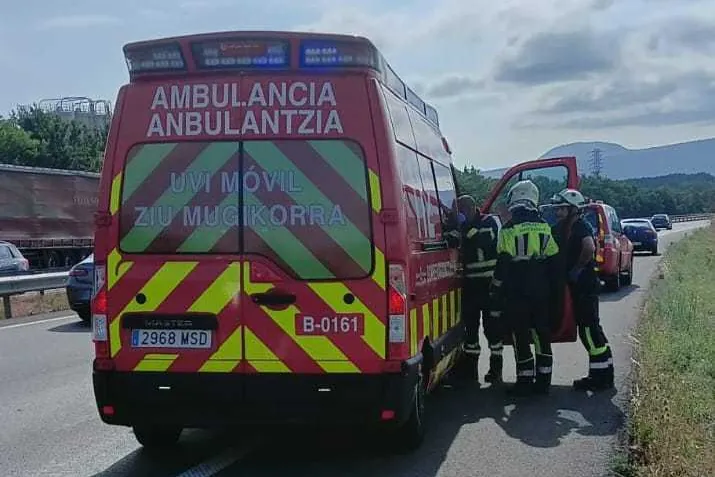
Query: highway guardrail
(20, 284)
(690, 217)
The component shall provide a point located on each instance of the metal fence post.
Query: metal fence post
(8, 306)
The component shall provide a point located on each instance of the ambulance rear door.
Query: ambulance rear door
(313, 294)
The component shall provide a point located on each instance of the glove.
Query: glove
(574, 274)
(461, 218)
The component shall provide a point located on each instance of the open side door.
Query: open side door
(550, 175)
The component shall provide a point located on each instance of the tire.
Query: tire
(613, 282)
(157, 437)
(410, 435)
(628, 278)
(85, 316)
(654, 250)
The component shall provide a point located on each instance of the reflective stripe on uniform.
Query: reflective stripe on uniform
(471, 348)
(601, 364)
(483, 264)
(544, 369)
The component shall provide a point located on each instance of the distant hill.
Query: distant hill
(619, 162)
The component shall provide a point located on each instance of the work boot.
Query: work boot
(595, 382)
(496, 363)
(542, 384)
(521, 389)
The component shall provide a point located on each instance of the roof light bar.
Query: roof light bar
(154, 58)
(241, 54)
(325, 53)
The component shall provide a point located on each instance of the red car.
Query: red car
(614, 250)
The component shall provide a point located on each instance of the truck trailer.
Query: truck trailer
(48, 214)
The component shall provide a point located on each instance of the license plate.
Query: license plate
(636, 243)
(193, 339)
(331, 325)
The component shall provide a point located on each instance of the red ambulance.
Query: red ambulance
(271, 240)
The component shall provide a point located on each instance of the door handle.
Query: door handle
(273, 298)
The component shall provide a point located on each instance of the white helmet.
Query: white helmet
(523, 193)
(570, 197)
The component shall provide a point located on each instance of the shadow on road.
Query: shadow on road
(194, 447)
(619, 295)
(541, 422)
(74, 327)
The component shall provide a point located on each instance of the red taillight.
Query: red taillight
(100, 325)
(397, 302)
(108, 410)
(387, 415)
(78, 272)
(399, 347)
(99, 304)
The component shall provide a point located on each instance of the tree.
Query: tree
(16, 145)
(62, 144)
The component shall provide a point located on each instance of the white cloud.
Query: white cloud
(78, 21)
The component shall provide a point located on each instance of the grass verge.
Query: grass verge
(672, 426)
(31, 304)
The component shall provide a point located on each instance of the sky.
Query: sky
(510, 79)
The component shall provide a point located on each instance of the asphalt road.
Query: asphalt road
(50, 427)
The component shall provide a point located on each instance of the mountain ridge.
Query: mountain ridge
(619, 162)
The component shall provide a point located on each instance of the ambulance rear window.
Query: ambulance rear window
(311, 213)
(303, 204)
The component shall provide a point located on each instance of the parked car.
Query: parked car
(614, 251)
(661, 221)
(79, 287)
(642, 234)
(12, 261)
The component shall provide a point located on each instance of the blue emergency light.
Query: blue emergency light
(241, 54)
(333, 53)
(155, 58)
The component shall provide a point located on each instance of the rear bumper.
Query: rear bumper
(202, 400)
(78, 298)
(645, 245)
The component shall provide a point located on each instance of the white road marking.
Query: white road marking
(218, 463)
(39, 322)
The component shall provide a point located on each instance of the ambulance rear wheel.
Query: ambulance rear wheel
(153, 437)
(411, 434)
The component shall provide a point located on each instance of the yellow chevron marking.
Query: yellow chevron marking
(452, 308)
(221, 292)
(425, 320)
(156, 290)
(445, 317)
(332, 294)
(156, 362)
(213, 300)
(232, 348)
(339, 367)
(413, 331)
(262, 358)
(375, 193)
(459, 304)
(115, 193)
(218, 366)
(379, 274)
(116, 268)
(319, 348)
(435, 318)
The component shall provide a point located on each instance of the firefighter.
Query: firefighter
(479, 239)
(523, 282)
(575, 237)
